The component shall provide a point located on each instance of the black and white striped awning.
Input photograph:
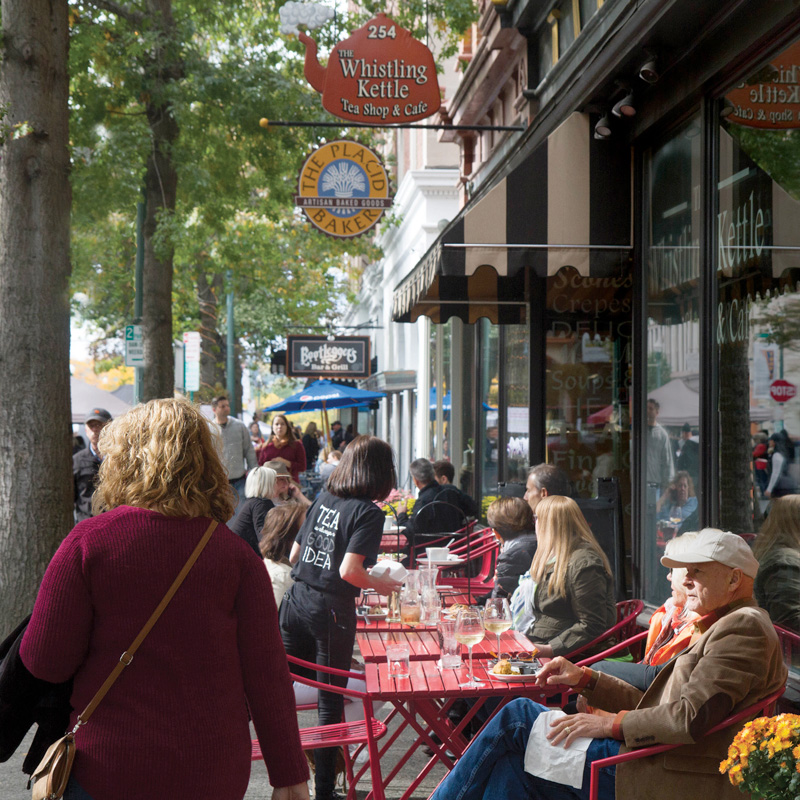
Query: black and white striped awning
(567, 203)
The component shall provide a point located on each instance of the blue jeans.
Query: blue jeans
(493, 766)
(638, 675)
(75, 792)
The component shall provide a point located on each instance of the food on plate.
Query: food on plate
(376, 611)
(502, 667)
(455, 608)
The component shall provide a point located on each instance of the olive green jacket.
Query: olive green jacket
(567, 623)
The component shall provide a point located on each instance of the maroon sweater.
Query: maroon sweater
(294, 453)
(175, 724)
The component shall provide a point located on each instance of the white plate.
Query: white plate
(510, 678)
(394, 530)
(450, 561)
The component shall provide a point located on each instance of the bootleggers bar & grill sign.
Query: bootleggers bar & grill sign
(319, 357)
(343, 188)
(380, 75)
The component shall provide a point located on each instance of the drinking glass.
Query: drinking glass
(470, 631)
(410, 608)
(393, 610)
(449, 654)
(398, 658)
(497, 618)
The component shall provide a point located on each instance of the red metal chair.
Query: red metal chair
(763, 706)
(625, 627)
(483, 551)
(416, 550)
(363, 731)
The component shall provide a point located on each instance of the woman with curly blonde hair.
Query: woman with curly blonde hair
(573, 599)
(214, 654)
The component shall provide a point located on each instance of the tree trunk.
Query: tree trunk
(35, 440)
(212, 356)
(161, 183)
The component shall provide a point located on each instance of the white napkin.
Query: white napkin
(394, 569)
(554, 763)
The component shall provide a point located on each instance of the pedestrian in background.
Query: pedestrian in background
(311, 444)
(283, 446)
(238, 454)
(86, 464)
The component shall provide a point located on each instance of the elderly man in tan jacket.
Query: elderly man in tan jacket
(734, 661)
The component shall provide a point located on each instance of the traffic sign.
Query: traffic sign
(781, 391)
(134, 346)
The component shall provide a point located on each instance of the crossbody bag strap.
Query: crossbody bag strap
(126, 658)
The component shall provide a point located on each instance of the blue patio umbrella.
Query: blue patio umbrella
(447, 405)
(323, 395)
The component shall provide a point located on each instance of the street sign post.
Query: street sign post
(191, 361)
(781, 391)
(134, 346)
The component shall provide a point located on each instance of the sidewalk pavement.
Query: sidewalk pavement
(13, 783)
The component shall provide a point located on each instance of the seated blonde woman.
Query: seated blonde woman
(567, 598)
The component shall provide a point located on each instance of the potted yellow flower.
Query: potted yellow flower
(764, 758)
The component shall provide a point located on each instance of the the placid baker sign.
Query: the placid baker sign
(320, 357)
(381, 74)
(343, 188)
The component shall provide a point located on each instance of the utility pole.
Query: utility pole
(138, 372)
(231, 361)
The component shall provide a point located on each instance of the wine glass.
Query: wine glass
(497, 618)
(470, 631)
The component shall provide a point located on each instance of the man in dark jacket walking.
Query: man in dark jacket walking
(86, 464)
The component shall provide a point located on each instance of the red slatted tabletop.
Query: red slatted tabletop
(422, 701)
(424, 643)
(393, 542)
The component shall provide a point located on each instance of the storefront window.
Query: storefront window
(758, 330)
(672, 274)
(516, 360)
(588, 377)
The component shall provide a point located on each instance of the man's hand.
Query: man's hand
(297, 792)
(559, 672)
(565, 730)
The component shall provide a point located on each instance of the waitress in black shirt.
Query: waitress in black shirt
(338, 542)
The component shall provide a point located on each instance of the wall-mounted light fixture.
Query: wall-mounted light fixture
(727, 108)
(602, 129)
(648, 72)
(625, 106)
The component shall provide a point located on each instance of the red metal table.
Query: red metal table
(422, 702)
(423, 644)
(393, 542)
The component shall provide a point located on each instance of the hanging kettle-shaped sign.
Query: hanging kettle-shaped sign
(381, 75)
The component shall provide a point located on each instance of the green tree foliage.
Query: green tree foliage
(236, 181)
(218, 71)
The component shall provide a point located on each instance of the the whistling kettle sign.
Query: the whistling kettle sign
(771, 97)
(343, 188)
(381, 74)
